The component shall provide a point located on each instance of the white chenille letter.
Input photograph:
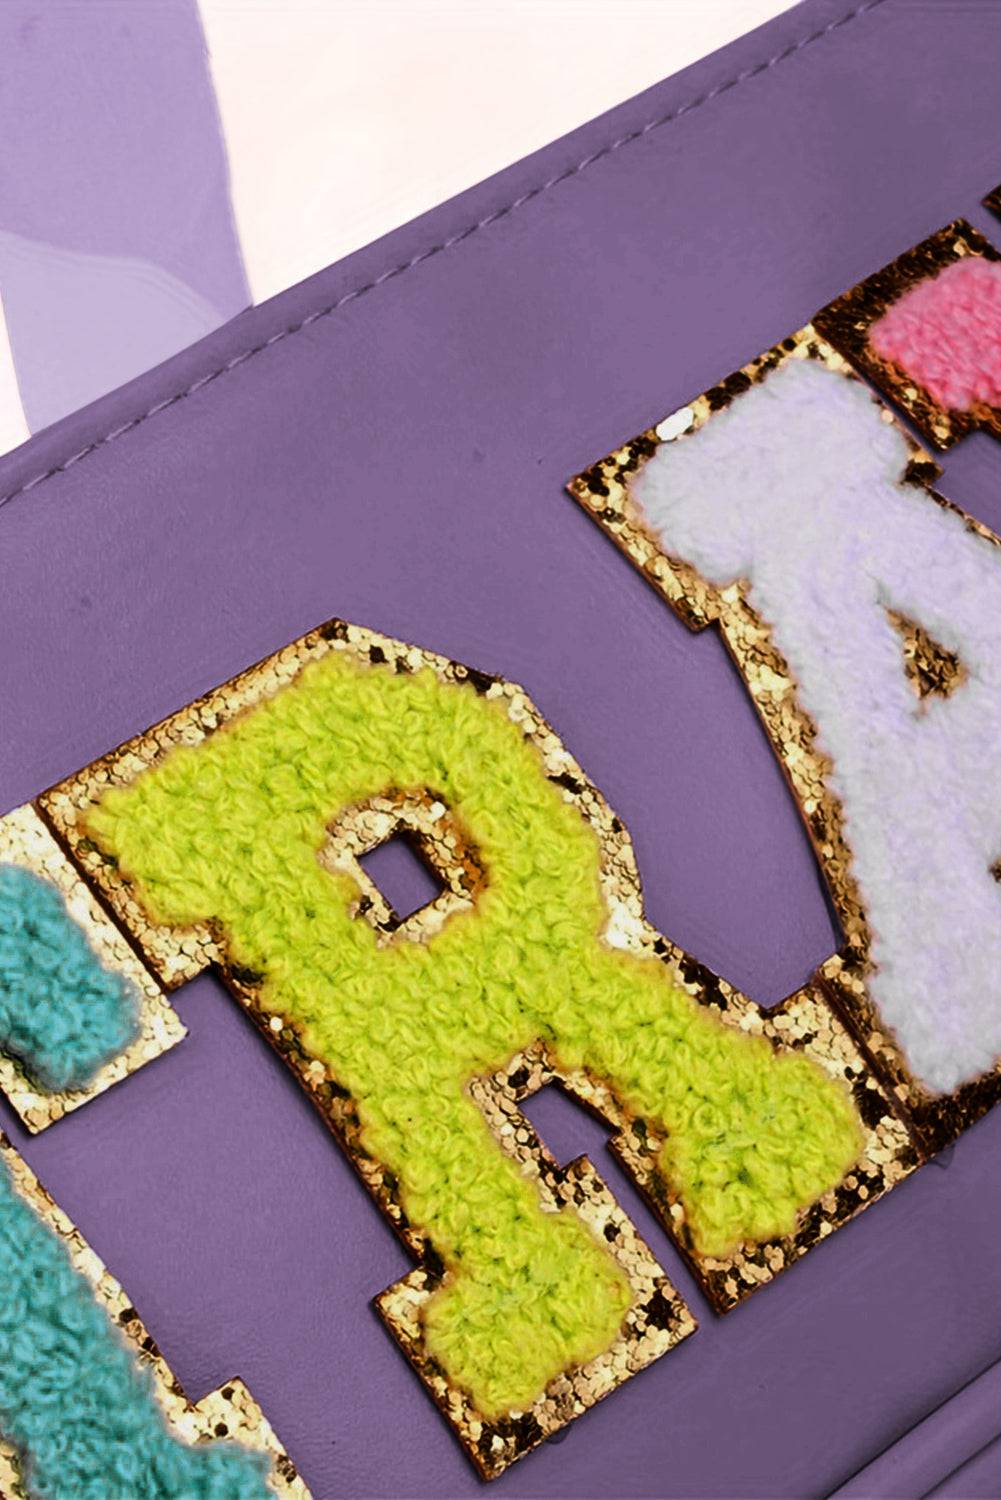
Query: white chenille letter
(797, 488)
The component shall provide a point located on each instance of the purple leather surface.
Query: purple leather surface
(401, 462)
(951, 1439)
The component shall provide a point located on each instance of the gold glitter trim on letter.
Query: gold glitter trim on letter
(603, 492)
(658, 1319)
(230, 1412)
(26, 841)
(932, 669)
(993, 201)
(425, 820)
(807, 1022)
(847, 321)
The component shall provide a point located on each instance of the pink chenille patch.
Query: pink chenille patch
(946, 334)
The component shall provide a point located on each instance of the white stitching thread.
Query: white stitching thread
(450, 243)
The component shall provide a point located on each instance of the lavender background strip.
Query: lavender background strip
(117, 243)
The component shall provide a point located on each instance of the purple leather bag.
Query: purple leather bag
(389, 442)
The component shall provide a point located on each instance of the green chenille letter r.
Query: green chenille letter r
(232, 830)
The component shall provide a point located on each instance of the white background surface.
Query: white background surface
(345, 118)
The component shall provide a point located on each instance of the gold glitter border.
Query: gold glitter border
(656, 1322)
(993, 201)
(602, 491)
(179, 954)
(932, 669)
(27, 842)
(806, 1021)
(847, 322)
(424, 820)
(230, 1412)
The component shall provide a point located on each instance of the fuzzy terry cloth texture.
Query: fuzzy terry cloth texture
(945, 334)
(73, 1400)
(231, 829)
(797, 487)
(62, 1014)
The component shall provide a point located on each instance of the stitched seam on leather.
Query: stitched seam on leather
(456, 239)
